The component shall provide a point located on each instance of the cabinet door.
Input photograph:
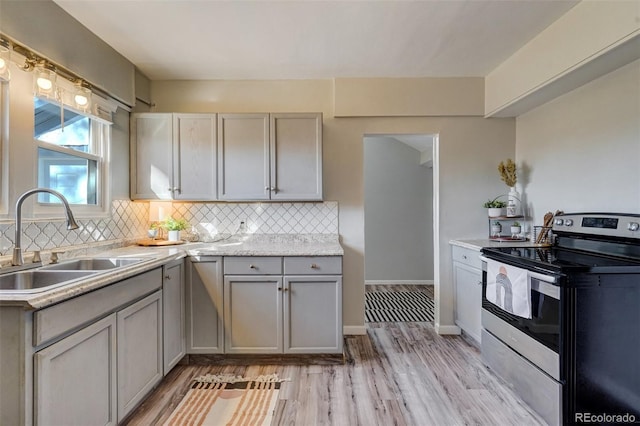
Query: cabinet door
(204, 308)
(243, 156)
(312, 314)
(194, 157)
(296, 156)
(151, 156)
(173, 318)
(139, 351)
(468, 282)
(75, 378)
(253, 314)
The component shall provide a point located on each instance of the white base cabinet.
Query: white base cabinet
(467, 278)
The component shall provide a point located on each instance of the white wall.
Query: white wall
(581, 151)
(398, 210)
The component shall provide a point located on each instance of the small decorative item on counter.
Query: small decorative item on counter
(495, 207)
(173, 227)
(509, 176)
(516, 229)
(496, 229)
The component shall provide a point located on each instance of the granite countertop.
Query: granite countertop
(478, 244)
(153, 257)
(271, 245)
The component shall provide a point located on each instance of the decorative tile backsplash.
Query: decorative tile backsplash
(129, 220)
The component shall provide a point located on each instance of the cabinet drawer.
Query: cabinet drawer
(250, 265)
(467, 256)
(313, 265)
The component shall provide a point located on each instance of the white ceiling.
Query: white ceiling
(297, 39)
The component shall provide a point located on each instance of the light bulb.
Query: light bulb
(81, 100)
(44, 83)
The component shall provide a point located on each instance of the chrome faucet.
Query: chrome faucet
(71, 222)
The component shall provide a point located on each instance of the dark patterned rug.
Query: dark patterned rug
(398, 306)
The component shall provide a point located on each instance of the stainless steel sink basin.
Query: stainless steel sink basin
(92, 264)
(39, 280)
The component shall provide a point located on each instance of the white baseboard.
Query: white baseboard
(447, 329)
(354, 330)
(399, 282)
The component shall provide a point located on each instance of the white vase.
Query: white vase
(173, 235)
(494, 212)
(514, 203)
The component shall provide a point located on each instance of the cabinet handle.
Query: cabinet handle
(464, 256)
(252, 267)
(279, 288)
(480, 282)
(266, 188)
(314, 266)
(285, 289)
(167, 277)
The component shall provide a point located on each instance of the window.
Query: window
(71, 150)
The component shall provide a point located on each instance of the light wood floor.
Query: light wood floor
(397, 374)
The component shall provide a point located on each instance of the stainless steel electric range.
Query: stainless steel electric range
(572, 352)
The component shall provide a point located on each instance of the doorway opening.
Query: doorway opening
(400, 220)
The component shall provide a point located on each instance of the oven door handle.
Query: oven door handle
(546, 278)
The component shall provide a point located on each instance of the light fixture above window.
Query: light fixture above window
(82, 95)
(45, 79)
(5, 75)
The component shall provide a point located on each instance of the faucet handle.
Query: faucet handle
(54, 256)
(36, 257)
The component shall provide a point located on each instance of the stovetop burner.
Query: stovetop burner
(584, 242)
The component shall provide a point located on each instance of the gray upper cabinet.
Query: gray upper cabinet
(296, 156)
(243, 156)
(270, 156)
(151, 163)
(173, 157)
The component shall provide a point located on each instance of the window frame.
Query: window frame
(100, 134)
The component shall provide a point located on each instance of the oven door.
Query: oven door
(544, 324)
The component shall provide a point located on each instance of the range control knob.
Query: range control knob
(633, 226)
(568, 222)
(559, 222)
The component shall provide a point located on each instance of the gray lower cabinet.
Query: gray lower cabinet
(75, 378)
(253, 314)
(139, 341)
(173, 318)
(312, 314)
(95, 356)
(204, 307)
(283, 305)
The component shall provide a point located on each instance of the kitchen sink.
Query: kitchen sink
(92, 264)
(39, 280)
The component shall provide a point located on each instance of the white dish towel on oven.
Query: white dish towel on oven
(509, 288)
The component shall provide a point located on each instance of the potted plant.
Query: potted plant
(515, 229)
(495, 207)
(173, 227)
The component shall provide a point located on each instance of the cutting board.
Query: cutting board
(149, 242)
